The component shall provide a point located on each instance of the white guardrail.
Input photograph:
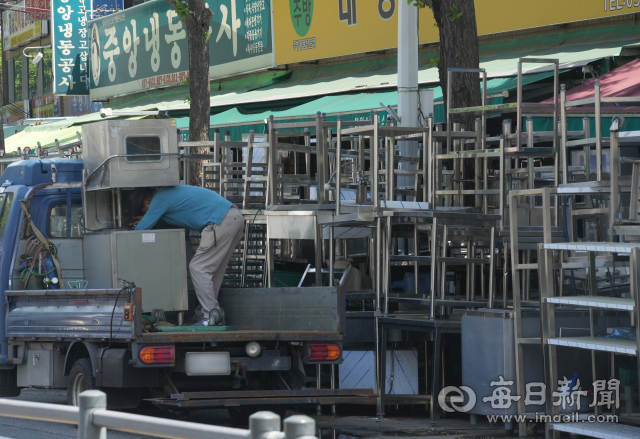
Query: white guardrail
(93, 420)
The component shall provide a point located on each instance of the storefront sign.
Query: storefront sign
(145, 47)
(82, 105)
(43, 106)
(38, 9)
(309, 29)
(14, 112)
(70, 47)
(18, 28)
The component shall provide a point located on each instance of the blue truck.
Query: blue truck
(87, 303)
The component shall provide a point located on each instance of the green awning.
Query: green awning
(357, 104)
(381, 80)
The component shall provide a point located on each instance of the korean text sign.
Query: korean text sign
(70, 47)
(313, 29)
(145, 47)
(18, 27)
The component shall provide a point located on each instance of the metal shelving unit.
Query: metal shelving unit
(551, 298)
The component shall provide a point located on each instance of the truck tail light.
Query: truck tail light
(324, 352)
(157, 355)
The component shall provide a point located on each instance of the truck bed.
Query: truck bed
(277, 314)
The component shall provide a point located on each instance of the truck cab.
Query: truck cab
(86, 302)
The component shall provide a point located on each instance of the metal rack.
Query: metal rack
(551, 298)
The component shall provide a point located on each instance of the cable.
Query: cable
(112, 314)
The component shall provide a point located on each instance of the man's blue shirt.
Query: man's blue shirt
(189, 207)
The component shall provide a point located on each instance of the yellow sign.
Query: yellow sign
(43, 106)
(27, 35)
(18, 28)
(310, 29)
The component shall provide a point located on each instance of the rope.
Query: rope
(43, 240)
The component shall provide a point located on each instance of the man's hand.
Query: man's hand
(135, 222)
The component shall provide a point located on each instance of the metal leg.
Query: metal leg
(378, 265)
(318, 386)
(382, 371)
(434, 264)
(492, 270)
(331, 256)
(318, 248)
(436, 383)
(333, 387)
(416, 252)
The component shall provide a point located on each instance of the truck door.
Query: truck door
(9, 224)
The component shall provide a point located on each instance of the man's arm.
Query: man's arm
(153, 215)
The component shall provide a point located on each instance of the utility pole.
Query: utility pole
(407, 82)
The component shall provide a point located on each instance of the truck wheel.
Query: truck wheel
(80, 379)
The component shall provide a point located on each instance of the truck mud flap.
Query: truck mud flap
(206, 400)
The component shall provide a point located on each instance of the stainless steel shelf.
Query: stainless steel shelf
(597, 344)
(595, 302)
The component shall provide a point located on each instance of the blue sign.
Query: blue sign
(70, 47)
(102, 8)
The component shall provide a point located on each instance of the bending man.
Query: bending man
(221, 225)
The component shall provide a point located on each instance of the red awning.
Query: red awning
(623, 81)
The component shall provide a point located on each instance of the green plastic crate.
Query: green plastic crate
(287, 278)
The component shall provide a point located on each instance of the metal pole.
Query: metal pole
(563, 134)
(434, 261)
(408, 100)
(88, 402)
(378, 263)
(614, 163)
(448, 110)
(530, 171)
(519, 110)
(387, 263)
(318, 386)
(271, 165)
(333, 387)
(299, 426)
(321, 160)
(374, 160)
(598, 122)
(338, 163)
(429, 170)
(331, 255)
(261, 423)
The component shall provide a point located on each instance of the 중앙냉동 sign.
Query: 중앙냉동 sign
(145, 47)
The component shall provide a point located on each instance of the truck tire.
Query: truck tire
(80, 379)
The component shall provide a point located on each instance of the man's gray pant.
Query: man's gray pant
(210, 261)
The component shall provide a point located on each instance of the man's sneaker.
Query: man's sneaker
(192, 321)
(202, 322)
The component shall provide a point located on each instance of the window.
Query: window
(33, 77)
(17, 73)
(47, 62)
(5, 207)
(58, 221)
(143, 145)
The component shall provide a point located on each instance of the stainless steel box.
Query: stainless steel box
(102, 140)
(155, 260)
